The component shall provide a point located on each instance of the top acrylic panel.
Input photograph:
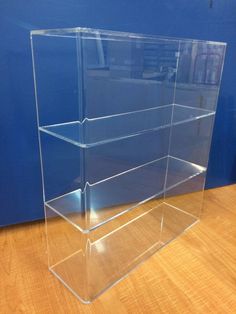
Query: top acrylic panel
(96, 86)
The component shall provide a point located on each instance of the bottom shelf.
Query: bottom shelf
(90, 263)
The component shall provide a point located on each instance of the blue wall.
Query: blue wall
(20, 182)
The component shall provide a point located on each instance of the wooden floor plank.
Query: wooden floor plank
(196, 273)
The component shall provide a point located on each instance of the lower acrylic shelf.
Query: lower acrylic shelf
(110, 198)
(88, 265)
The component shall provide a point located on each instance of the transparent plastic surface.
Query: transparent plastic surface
(125, 123)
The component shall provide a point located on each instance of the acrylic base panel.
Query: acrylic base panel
(125, 124)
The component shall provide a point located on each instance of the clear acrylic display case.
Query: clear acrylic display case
(125, 123)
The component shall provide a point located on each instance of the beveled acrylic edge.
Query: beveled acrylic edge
(64, 31)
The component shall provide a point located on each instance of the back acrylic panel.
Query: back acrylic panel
(125, 123)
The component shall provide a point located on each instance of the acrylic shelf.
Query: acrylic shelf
(121, 199)
(125, 124)
(94, 131)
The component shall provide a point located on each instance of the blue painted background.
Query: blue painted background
(20, 183)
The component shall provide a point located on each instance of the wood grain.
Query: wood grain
(196, 273)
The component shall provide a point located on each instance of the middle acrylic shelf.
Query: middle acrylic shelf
(91, 132)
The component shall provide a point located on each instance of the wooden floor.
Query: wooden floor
(196, 273)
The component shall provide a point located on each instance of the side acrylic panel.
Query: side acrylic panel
(197, 87)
